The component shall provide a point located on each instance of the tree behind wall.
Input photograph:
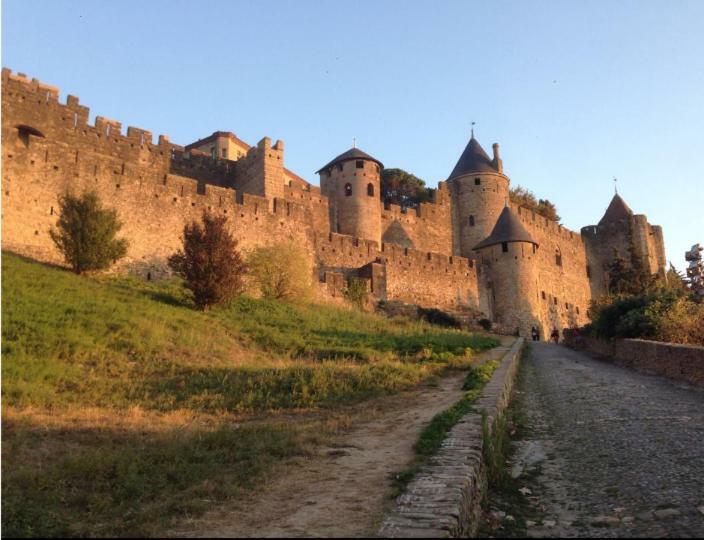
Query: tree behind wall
(543, 207)
(210, 264)
(403, 188)
(85, 233)
(630, 276)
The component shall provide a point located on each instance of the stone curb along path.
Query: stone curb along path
(443, 500)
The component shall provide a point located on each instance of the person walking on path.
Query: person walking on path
(535, 333)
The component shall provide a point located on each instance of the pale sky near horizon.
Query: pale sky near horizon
(576, 93)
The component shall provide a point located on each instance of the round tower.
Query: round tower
(480, 191)
(352, 183)
(508, 256)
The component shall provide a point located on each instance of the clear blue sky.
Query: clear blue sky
(575, 92)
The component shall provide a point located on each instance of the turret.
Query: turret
(352, 183)
(508, 257)
(480, 191)
(620, 231)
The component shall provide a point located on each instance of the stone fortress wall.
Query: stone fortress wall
(50, 149)
(424, 256)
(427, 228)
(562, 290)
(603, 240)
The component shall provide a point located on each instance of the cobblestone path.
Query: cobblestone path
(609, 452)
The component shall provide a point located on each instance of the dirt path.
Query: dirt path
(344, 490)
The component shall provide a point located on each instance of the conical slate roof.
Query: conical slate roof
(507, 229)
(618, 209)
(352, 153)
(473, 159)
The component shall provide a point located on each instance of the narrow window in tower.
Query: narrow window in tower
(471, 221)
(533, 248)
(477, 181)
(558, 257)
(348, 189)
(360, 164)
(556, 300)
(589, 272)
(370, 189)
(504, 247)
(543, 293)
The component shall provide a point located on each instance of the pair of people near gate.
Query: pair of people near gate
(535, 334)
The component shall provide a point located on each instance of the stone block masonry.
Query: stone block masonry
(49, 149)
(443, 500)
(428, 254)
(680, 362)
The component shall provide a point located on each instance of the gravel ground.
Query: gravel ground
(608, 452)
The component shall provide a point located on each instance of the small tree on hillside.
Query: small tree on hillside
(356, 292)
(281, 271)
(85, 233)
(209, 263)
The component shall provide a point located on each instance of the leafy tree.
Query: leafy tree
(210, 264)
(356, 292)
(85, 233)
(630, 276)
(661, 314)
(281, 271)
(403, 188)
(523, 197)
(676, 281)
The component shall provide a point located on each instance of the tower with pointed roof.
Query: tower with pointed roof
(618, 230)
(479, 190)
(508, 256)
(352, 183)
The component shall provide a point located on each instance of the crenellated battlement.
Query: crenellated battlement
(51, 148)
(61, 119)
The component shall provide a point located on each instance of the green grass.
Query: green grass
(70, 340)
(109, 483)
(436, 431)
(123, 407)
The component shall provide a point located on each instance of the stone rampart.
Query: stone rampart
(50, 150)
(419, 277)
(562, 284)
(426, 228)
(681, 362)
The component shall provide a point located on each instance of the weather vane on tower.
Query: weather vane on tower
(615, 186)
(473, 122)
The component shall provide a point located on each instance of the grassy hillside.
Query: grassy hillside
(123, 406)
